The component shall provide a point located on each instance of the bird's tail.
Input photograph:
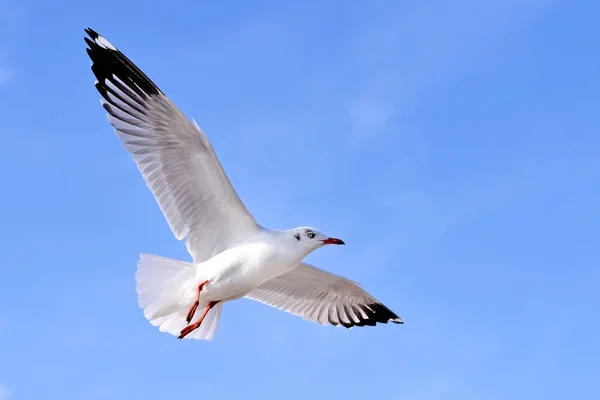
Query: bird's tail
(166, 290)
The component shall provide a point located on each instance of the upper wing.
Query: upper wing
(319, 296)
(174, 156)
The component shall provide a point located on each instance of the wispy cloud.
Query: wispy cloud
(421, 47)
(5, 75)
(33, 147)
(12, 23)
(3, 392)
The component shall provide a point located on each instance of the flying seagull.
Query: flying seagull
(233, 256)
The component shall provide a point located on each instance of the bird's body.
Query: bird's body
(233, 256)
(236, 272)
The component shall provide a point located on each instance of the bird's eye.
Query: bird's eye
(310, 234)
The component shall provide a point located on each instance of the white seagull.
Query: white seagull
(233, 256)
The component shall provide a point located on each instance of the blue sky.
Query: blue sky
(452, 145)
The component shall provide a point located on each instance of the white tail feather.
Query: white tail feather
(166, 290)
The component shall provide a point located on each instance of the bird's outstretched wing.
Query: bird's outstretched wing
(322, 297)
(173, 154)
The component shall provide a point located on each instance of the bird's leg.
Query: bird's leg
(192, 327)
(194, 306)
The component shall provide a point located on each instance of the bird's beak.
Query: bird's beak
(333, 241)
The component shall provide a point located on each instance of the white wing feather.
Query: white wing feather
(322, 297)
(173, 154)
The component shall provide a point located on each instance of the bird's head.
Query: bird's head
(310, 239)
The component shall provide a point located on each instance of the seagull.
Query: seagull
(233, 256)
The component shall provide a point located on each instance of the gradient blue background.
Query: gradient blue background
(452, 145)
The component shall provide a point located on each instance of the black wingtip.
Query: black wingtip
(108, 62)
(92, 33)
(368, 315)
(377, 312)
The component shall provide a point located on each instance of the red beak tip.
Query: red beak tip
(333, 241)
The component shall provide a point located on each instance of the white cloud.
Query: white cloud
(371, 113)
(410, 50)
(5, 75)
(35, 149)
(12, 24)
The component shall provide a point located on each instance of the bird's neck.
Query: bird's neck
(284, 239)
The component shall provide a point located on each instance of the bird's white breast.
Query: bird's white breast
(237, 271)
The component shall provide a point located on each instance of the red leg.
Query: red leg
(194, 306)
(192, 327)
